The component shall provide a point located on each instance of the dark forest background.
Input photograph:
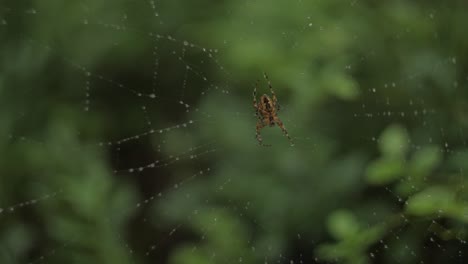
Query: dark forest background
(127, 132)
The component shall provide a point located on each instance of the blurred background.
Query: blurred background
(127, 132)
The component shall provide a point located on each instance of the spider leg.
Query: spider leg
(271, 88)
(258, 127)
(255, 95)
(255, 105)
(285, 132)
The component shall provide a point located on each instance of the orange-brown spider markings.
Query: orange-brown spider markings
(267, 112)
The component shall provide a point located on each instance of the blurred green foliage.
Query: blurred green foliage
(374, 94)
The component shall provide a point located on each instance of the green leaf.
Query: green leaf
(433, 200)
(383, 171)
(424, 161)
(394, 141)
(341, 85)
(343, 224)
(186, 255)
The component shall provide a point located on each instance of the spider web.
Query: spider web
(135, 141)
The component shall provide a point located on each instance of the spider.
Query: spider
(266, 112)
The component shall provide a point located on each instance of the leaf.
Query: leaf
(341, 85)
(433, 200)
(383, 171)
(424, 161)
(394, 141)
(343, 224)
